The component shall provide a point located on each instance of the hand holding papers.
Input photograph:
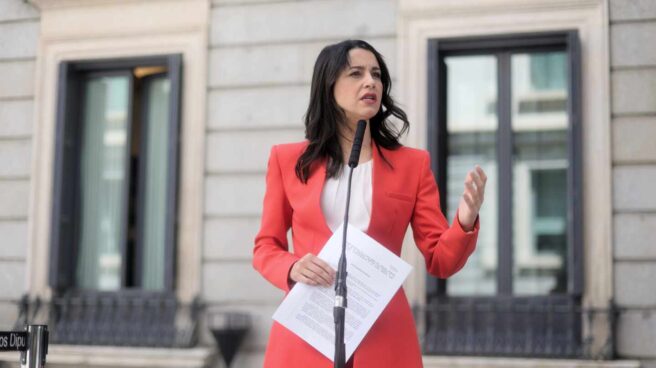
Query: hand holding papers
(374, 276)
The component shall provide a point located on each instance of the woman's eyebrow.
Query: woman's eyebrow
(362, 67)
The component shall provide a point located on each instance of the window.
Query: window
(114, 201)
(510, 104)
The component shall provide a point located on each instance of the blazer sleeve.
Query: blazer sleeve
(271, 256)
(445, 248)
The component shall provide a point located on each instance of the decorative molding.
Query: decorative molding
(123, 29)
(419, 21)
(450, 8)
(105, 356)
(60, 4)
(486, 362)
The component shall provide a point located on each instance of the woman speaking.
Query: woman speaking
(393, 187)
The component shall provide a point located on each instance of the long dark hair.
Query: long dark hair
(324, 116)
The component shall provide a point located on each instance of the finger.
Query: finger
(477, 179)
(470, 202)
(308, 280)
(481, 188)
(469, 182)
(310, 277)
(325, 267)
(476, 192)
(319, 274)
(481, 173)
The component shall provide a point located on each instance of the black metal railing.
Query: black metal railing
(125, 318)
(549, 326)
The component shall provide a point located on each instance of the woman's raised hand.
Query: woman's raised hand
(312, 270)
(472, 198)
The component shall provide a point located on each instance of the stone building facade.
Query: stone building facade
(246, 70)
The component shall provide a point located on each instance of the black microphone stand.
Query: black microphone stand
(339, 310)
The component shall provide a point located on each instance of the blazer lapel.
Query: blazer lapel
(382, 173)
(315, 184)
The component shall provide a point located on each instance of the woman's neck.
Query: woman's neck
(346, 137)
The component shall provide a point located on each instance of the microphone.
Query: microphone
(357, 144)
(339, 310)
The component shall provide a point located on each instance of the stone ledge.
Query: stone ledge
(485, 362)
(112, 356)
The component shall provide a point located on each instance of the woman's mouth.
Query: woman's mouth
(369, 98)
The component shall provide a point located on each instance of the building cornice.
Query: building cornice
(447, 8)
(62, 4)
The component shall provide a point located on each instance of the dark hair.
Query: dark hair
(324, 116)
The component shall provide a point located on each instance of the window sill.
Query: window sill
(113, 356)
(485, 362)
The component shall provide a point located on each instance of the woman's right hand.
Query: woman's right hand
(312, 270)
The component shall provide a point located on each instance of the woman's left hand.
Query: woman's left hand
(472, 198)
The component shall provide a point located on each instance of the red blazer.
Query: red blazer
(403, 194)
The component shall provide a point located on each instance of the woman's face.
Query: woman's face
(358, 89)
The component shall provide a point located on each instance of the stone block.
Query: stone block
(15, 158)
(249, 359)
(17, 78)
(632, 280)
(243, 66)
(302, 21)
(636, 334)
(16, 117)
(633, 187)
(8, 315)
(632, 9)
(14, 197)
(230, 238)
(234, 195)
(633, 139)
(19, 40)
(17, 10)
(245, 152)
(237, 282)
(218, 3)
(648, 364)
(634, 236)
(12, 280)
(628, 44)
(253, 108)
(634, 91)
(286, 64)
(14, 239)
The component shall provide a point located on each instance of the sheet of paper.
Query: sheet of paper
(374, 276)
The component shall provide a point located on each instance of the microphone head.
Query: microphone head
(357, 143)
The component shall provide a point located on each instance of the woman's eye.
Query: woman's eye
(355, 73)
(376, 75)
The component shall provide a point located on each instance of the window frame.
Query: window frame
(503, 46)
(65, 206)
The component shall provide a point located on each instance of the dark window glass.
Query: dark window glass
(114, 203)
(511, 105)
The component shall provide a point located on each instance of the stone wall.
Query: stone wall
(261, 59)
(633, 84)
(19, 32)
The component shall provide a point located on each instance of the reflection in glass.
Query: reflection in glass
(157, 92)
(102, 175)
(472, 126)
(540, 161)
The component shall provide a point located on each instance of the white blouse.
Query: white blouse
(333, 197)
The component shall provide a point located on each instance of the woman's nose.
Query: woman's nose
(369, 80)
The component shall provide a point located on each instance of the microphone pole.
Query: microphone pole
(339, 310)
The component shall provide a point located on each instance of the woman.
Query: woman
(393, 186)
